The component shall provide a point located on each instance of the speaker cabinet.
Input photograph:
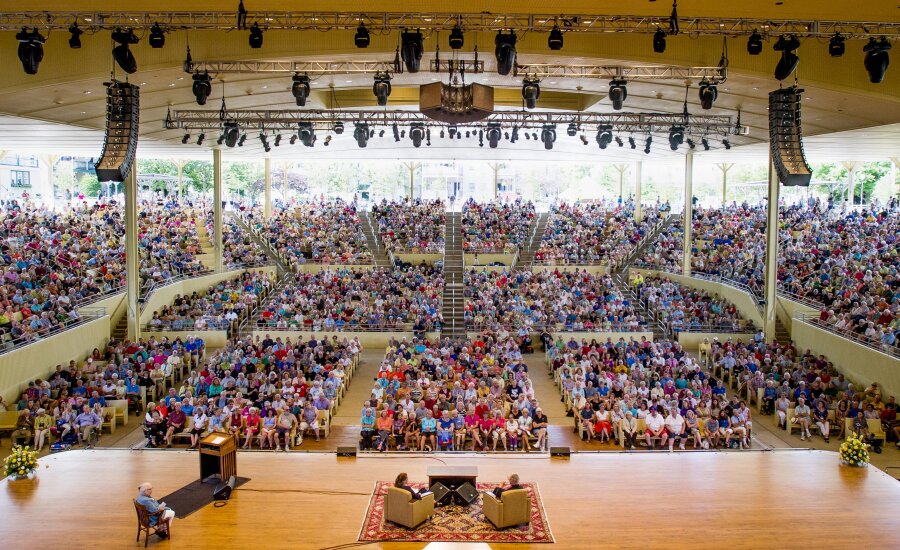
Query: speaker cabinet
(223, 491)
(346, 452)
(564, 452)
(786, 137)
(120, 140)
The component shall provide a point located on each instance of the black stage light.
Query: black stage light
(157, 36)
(361, 134)
(631, 143)
(481, 138)
(338, 127)
(527, 135)
(676, 137)
(293, 139)
(456, 38)
(515, 135)
(618, 92)
(572, 129)
(705, 143)
(531, 91)
(327, 141)
(417, 134)
(31, 50)
(75, 38)
(122, 53)
(307, 133)
(278, 140)
(411, 50)
(534, 135)
(221, 138)
(604, 135)
(708, 94)
(452, 131)
(382, 88)
(256, 36)
(691, 144)
(584, 140)
(185, 138)
(659, 41)
(755, 43)
(493, 134)
(647, 144)
(836, 46)
(362, 36)
(200, 138)
(396, 130)
(727, 144)
(505, 52)
(265, 142)
(548, 135)
(201, 87)
(381, 133)
(555, 40)
(619, 142)
(300, 88)
(242, 140)
(789, 60)
(877, 59)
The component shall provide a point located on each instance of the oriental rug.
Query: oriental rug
(455, 523)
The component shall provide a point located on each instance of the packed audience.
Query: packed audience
(237, 247)
(221, 307)
(455, 396)
(358, 299)
(496, 227)
(559, 300)
(416, 226)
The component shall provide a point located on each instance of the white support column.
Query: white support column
(725, 167)
(688, 213)
(769, 315)
(638, 215)
(621, 168)
(496, 168)
(180, 164)
(217, 207)
(267, 196)
(851, 181)
(132, 281)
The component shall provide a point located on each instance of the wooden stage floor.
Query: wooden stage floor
(786, 499)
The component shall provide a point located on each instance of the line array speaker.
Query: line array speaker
(786, 137)
(120, 141)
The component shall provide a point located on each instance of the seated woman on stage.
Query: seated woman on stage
(402, 482)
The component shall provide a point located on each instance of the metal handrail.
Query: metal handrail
(892, 351)
(88, 300)
(552, 327)
(405, 327)
(801, 300)
(85, 315)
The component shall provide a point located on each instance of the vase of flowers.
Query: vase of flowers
(854, 451)
(22, 463)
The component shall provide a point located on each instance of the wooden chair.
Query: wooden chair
(143, 517)
(109, 419)
(121, 407)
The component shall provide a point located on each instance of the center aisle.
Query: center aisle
(548, 397)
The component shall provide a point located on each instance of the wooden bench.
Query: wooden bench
(109, 419)
(8, 421)
(121, 407)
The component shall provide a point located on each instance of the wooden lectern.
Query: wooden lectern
(218, 456)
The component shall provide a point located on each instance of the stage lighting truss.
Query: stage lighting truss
(384, 22)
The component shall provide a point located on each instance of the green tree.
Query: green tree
(89, 185)
(198, 175)
(243, 178)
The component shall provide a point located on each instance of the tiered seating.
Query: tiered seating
(415, 228)
(495, 227)
(238, 249)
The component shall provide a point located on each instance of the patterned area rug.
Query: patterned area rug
(455, 523)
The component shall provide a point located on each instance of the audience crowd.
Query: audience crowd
(496, 227)
(416, 227)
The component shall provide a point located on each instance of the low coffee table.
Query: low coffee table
(459, 481)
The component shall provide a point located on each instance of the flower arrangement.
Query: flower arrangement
(854, 451)
(21, 462)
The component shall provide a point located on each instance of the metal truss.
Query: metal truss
(385, 22)
(638, 123)
(620, 72)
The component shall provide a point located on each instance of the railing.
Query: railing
(729, 282)
(892, 351)
(553, 327)
(87, 301)
(149, 287)
(9, 343)
(801, 300)
(362, 327)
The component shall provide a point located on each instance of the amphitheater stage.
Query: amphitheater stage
(749, 499)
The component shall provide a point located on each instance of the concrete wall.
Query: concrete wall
(417, 259)
(861, 364)
(692, 340)
(212, 338)
(742, 300)
(786, 308)
(36, 360)
(484, 259)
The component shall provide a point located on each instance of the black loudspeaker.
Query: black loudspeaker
(120, 141)
(440, 491)
(347, 452)
(468, 492)
(786, 137)
(223, 491)
(560, 451)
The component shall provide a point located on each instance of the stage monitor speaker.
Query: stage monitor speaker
(120, 141)
(560, 451)
(467, 492)
(223, 491)
(786, 137)
(346, 451)
(440, 491)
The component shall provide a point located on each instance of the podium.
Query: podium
(218, 456)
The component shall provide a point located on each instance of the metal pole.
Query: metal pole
(181, 164)
(496, 168)
(132, 282)
(688, 212)
(638, 215)
(725, 167)
(769, 316)
(217, 206)
(412, 180)
(267, 199)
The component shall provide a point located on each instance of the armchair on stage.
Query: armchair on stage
(401, 509)
(512, 508)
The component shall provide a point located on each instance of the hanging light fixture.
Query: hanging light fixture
(122, 53)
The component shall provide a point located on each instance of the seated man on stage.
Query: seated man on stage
(160, 514)
(512, 483)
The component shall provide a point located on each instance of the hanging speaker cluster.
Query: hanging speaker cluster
(786, 137)
(120, 141)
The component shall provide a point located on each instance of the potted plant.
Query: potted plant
(22, 463)
(854, 451)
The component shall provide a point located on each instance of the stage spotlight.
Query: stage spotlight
(75, 38)
(221, 138)
(548, 135)
(381, 134)
(789, 60)
(362, 36)
(555, 40)
(467, 133)
(382, 87)
(456, 38)
(708, 94)
(157, 36)
(265, 142)
(631, 143)
(705, 143)
(527, 135)
(396, 130)
(185, 138)
(659, 41)
(411, 50)
(31, 50)
(428, 137)
(877, 59)
(361, 134)
(327, 141)
(505, 52)
(338, 128)
(300, 88)
(619, 142)
(604, 135)
(481, 138)
(256, 36)
(493, 134)
(572, 129)
(278, 140)
(531, 91)
(755, 43)
(534, 135)
(676, 137)
(691, 144)
(727, 144)
(618, 92)
(306, 133)
(201, 87)
(584, 139)
(647, 144)
(417, 134)
(372, 133)
(200, 138)
(452, 131)
(293, 139)
(836, 45)
(122, 53)
(515, 134)
(242, 140)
